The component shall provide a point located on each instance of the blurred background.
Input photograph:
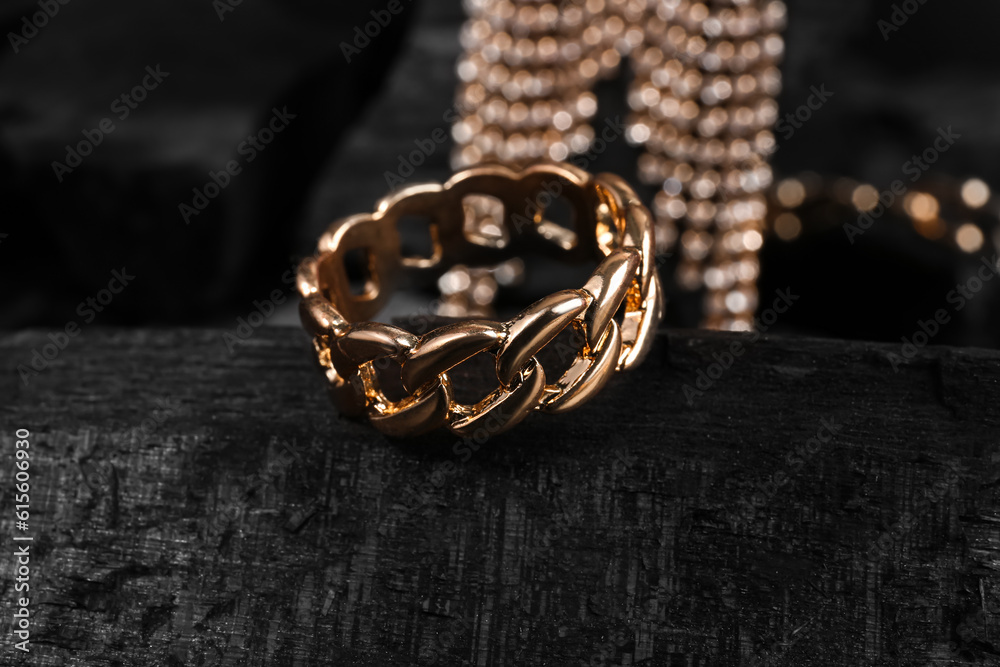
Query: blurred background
(189, 85)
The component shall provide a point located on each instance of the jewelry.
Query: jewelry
(614, 316)
(527, 75)
(702, 100)
(959, 214)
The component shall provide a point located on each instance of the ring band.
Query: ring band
(615, 314)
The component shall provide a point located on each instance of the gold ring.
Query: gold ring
(614, 315)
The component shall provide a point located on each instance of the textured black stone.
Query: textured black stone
(193, 507)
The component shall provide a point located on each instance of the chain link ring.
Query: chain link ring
(615, 314)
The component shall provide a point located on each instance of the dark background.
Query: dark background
(354, 120)
(656, 516)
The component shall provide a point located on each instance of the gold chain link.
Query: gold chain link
(612, 226)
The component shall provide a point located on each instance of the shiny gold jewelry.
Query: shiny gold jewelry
(527, 74)
(614, 316)
(961, 214)
(702, 100)
(703, 104)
